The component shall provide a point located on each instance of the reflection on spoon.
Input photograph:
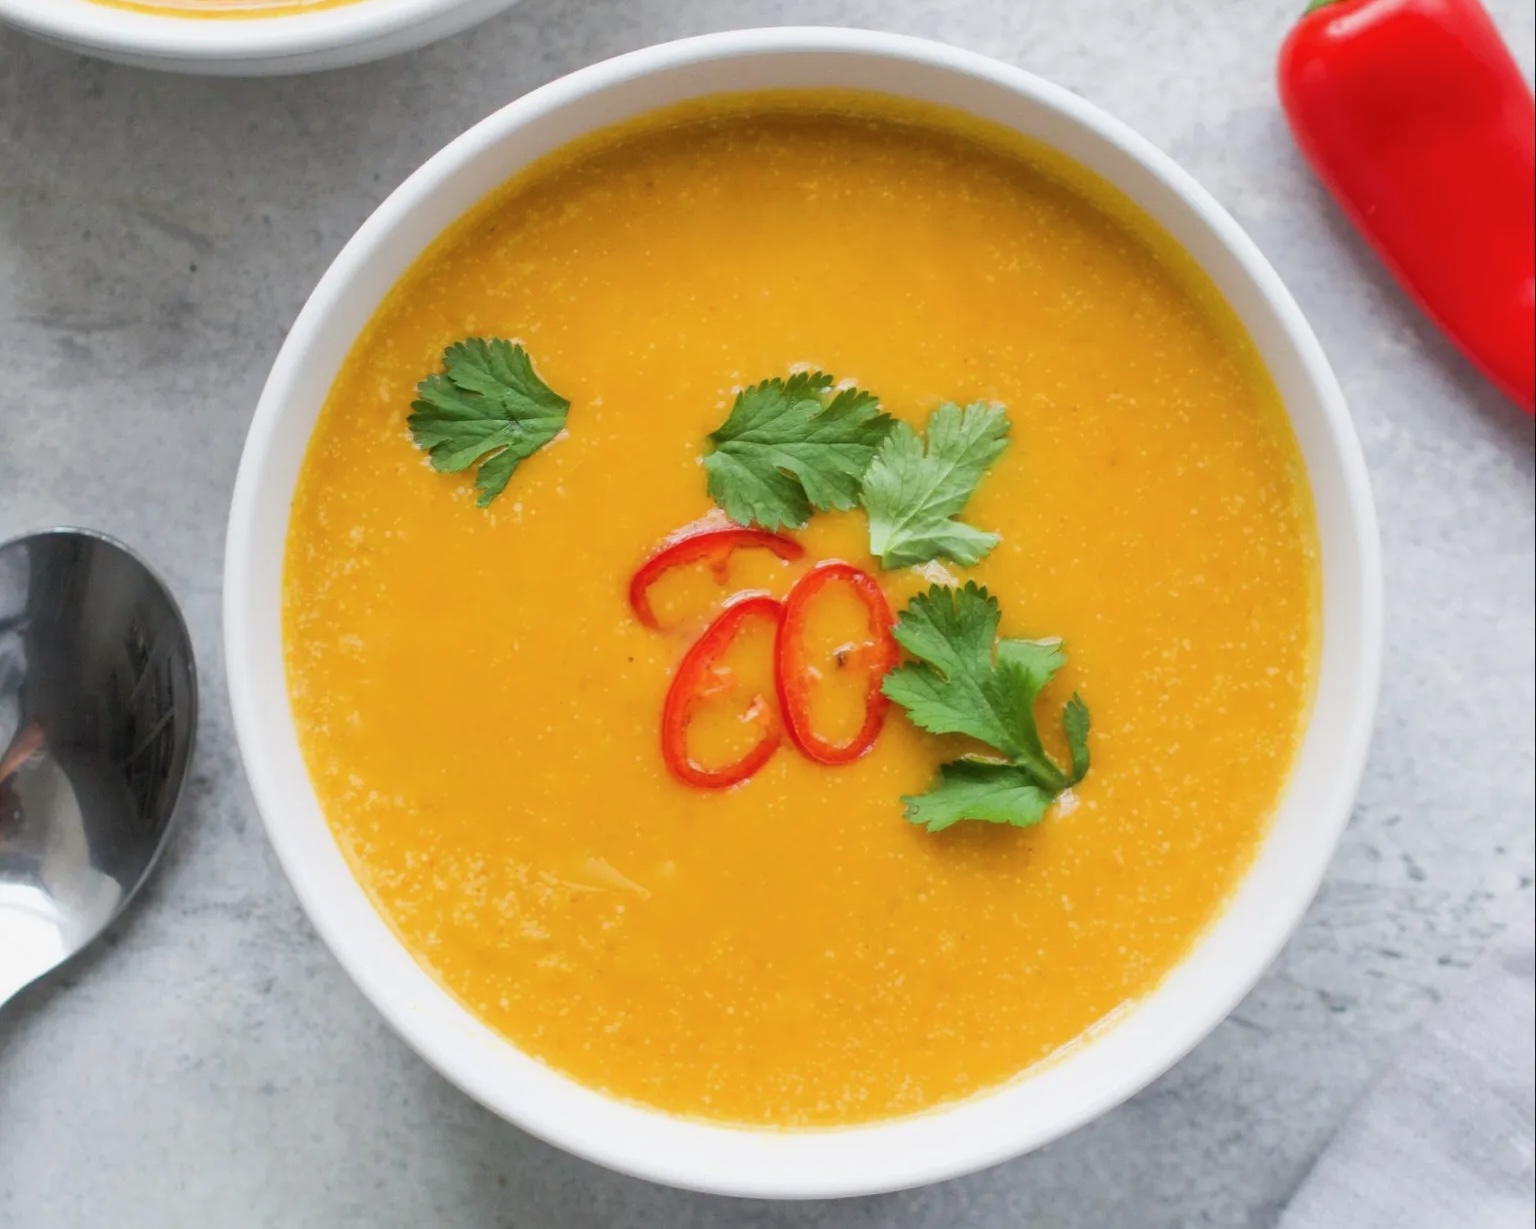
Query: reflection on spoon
(28, 741)
(98, 707)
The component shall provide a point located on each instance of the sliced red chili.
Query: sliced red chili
(706, 541)
(696, 679)
(797, 674)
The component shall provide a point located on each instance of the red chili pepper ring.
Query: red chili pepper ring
(695, 680)
(797, 674)
(706, 541)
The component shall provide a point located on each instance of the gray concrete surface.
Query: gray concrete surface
(211, 1066)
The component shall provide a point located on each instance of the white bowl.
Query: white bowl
(253, 46)
(1148, 1038)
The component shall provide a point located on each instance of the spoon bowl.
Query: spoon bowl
(98, 712)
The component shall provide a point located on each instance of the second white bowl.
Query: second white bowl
(247, 46)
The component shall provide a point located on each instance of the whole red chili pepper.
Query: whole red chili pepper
(704, 540)
(796, 674)
(697, 678)
(1415, 115)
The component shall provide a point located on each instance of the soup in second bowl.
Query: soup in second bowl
(790, 748)
(224, 9)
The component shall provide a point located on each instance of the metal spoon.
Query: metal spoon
(98, 709)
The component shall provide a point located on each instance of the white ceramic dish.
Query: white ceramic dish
(1147, 1039)
(247, 46)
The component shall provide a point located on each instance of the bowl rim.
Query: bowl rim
(886, 1155)
(192, 42)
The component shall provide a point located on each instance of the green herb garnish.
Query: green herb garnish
(914, 488)
(791, 447)
(487, 408)
(978, 790)
(967, 681)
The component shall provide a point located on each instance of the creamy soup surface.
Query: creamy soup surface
(224, 9)
(478, 706)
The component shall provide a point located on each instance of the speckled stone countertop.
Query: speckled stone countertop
(211, 1066)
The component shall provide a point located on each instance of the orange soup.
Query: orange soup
(480, 708)
(224, 8)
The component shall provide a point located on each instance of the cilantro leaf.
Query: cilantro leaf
(1074, 720)
(1035, 660)
(966, 681)
(914, 488)
(1024, 667)
(789, 447)
(487, 408)
(979, 790)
